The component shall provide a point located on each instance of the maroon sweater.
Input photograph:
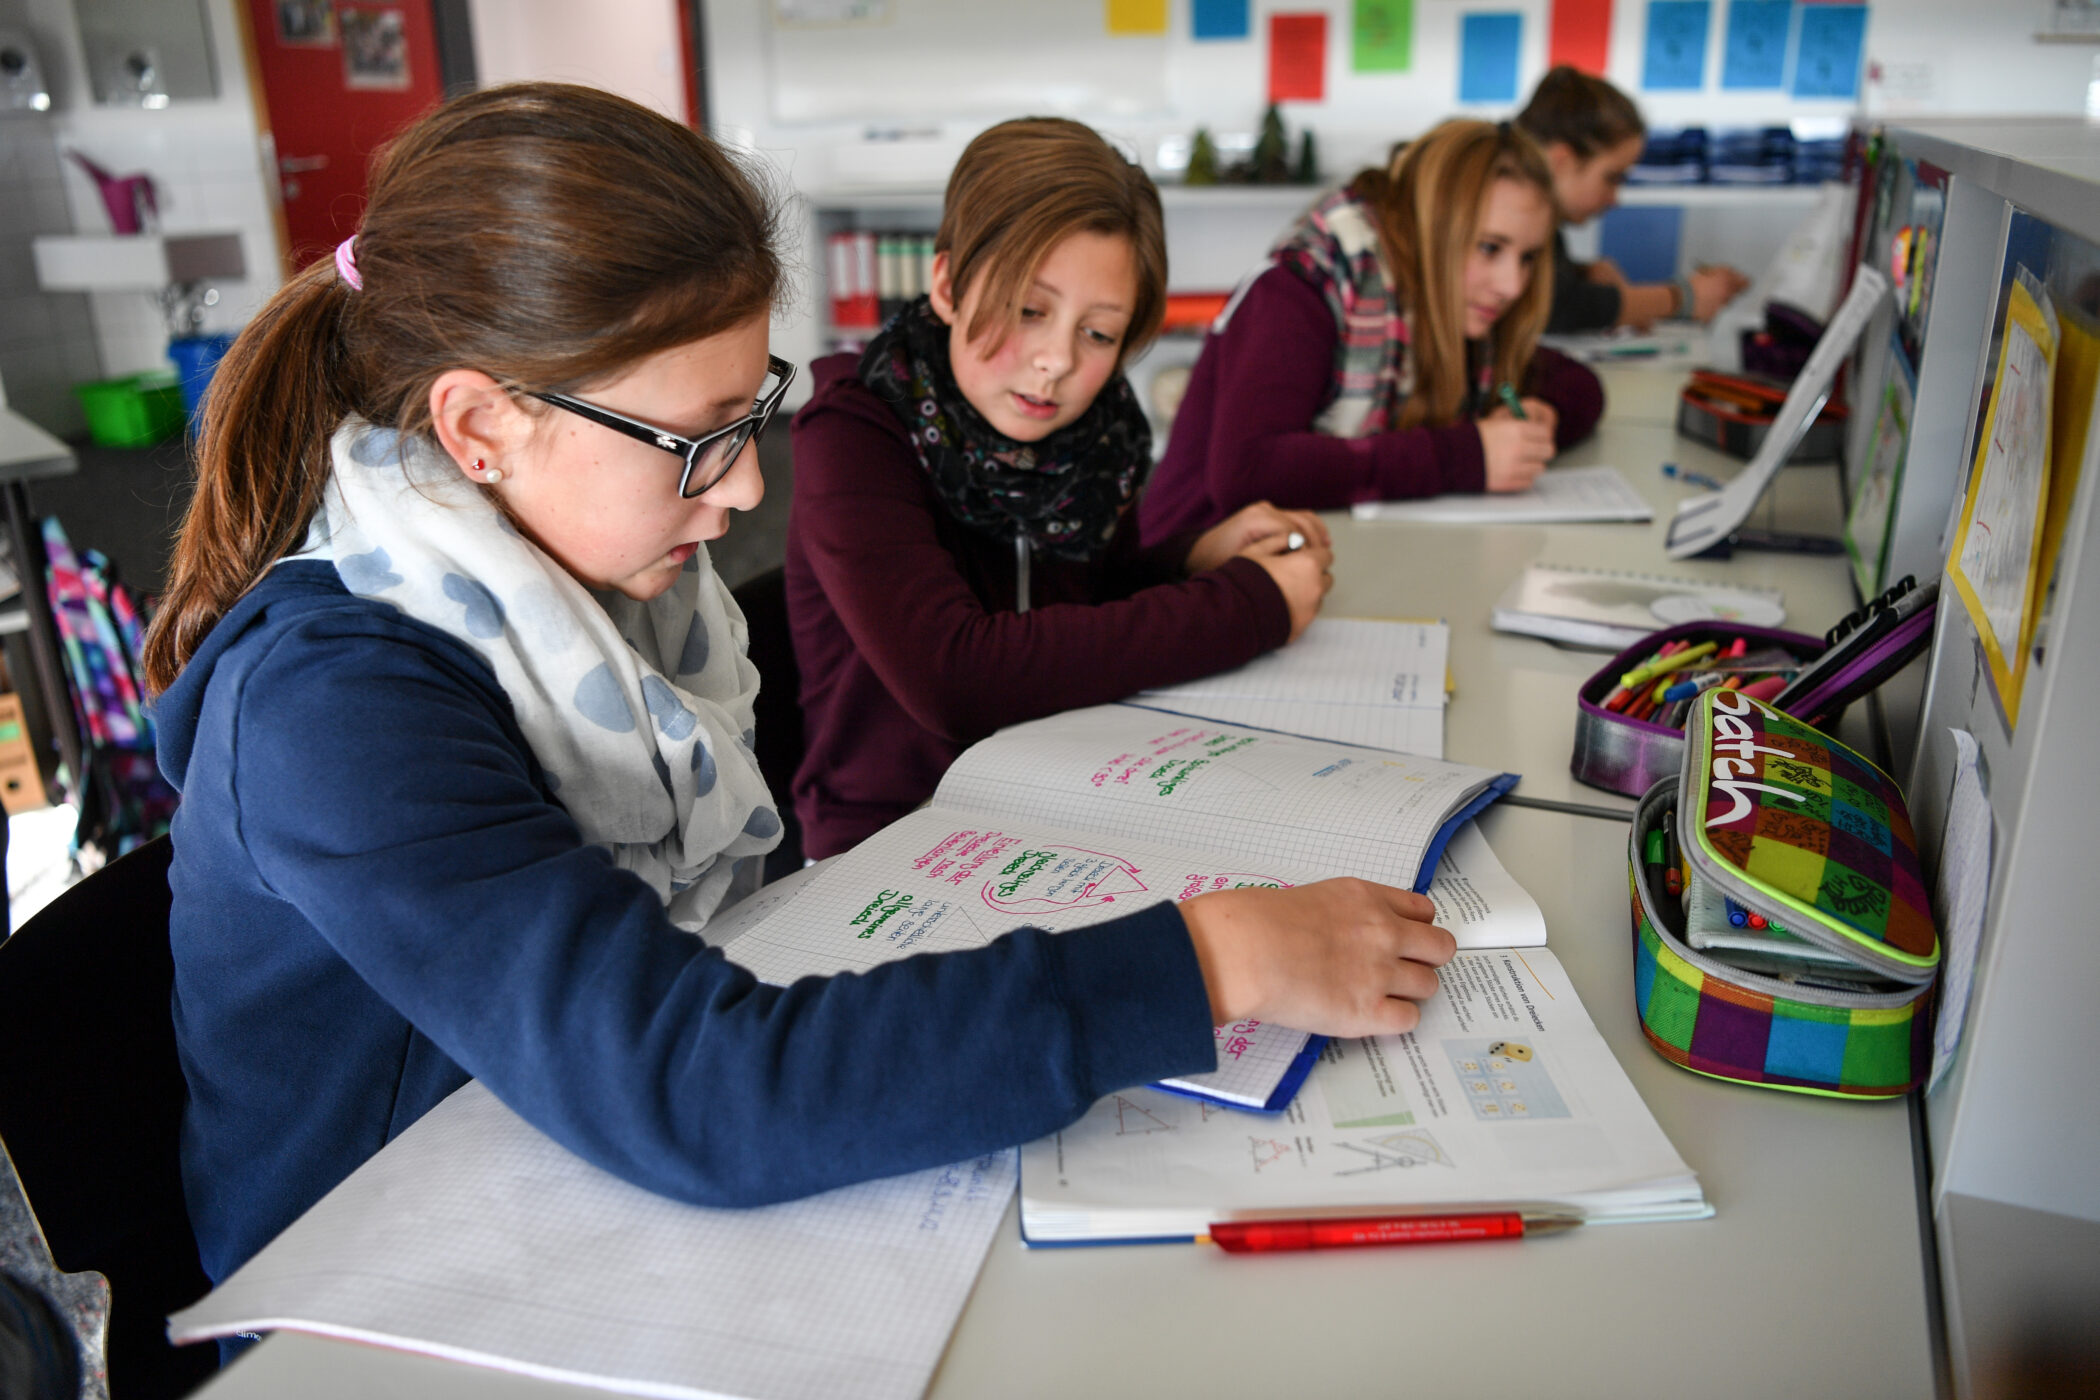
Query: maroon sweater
(905, 630)
(1244, 430)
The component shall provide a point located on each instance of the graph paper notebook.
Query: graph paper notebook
(1504, 1097)
(1082, 817)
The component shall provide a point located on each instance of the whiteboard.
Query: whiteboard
(933, 60)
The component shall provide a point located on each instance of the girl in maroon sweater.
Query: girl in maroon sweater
(1368, 362)
(962, 553)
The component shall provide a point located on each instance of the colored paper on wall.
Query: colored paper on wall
(1643, 240)
(1487, 57)
(1298, 58)
(1827, 53)
(1754, 54)
(1579, 33)
(1220, 19)
(1382, 36)
(1676, 47)
(1137, 16)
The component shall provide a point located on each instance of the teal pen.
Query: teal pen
(1508, 395)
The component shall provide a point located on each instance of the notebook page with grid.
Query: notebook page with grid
(1119, 770)
(475, 1237)
(939, 881)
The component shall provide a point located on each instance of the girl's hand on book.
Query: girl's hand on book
(1341, 957)
(1244, 528)
(1302, 575)
(1516, 450)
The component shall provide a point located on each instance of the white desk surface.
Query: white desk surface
(1809, 1280)
(1514, 706)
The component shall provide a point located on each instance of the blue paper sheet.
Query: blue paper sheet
(1487, 57)
(1676, 45)
(1755, 53)
(1826, 56)
(1219, 19)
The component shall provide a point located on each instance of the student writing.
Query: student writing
(1362, 365)
(962, 552)
(1592, 135)
(459, 714)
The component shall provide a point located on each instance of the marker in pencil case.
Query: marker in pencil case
(1748, 918)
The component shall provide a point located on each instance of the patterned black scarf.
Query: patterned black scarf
(1065, 493)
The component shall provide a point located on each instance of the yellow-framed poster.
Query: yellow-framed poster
(1997, 537)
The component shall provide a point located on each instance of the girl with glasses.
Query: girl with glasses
(462, 723)
(1369, 360)
(963, 552)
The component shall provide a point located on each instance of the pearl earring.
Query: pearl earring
(490, 474)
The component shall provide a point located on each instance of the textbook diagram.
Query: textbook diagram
(1391, 1151)
(1135, 1120)
(1504, 1080)
(1267, 1152)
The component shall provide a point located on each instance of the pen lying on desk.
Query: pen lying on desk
(1279, 1236)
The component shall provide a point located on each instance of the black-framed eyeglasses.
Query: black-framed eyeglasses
(707, 459)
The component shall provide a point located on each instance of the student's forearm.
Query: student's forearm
(1649, 302)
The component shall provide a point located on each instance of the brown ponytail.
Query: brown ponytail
(549, 236)
(1581, 111)
(1428, 205)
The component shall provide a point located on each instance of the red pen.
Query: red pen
(1278, 1236)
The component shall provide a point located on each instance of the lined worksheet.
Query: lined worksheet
(1353, 680)
(476, 1237)
(1561, 495)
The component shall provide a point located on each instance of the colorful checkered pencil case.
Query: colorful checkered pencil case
(1802, 834)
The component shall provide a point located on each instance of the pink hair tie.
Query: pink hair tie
(346, 264)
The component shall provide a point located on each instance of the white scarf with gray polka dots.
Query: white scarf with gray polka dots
(640, 713)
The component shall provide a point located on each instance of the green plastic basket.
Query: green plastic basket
(135, 411)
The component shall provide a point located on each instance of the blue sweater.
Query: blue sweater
(377, 897)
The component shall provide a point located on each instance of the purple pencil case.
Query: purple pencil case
(1890, 653)
(1629, 756)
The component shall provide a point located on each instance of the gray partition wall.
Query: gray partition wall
(2014, 1128)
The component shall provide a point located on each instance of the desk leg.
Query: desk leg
(44, 649)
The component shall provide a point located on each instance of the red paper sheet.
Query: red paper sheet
(1580, 33)
(1298, 58)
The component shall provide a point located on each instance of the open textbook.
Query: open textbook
(1088, 815)
(1504, 1097)
(1358, 680)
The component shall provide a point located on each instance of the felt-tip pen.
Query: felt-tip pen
(1508, 395)
(1279, 1236)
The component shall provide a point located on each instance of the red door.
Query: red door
(338, 79)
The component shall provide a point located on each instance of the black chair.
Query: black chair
(764, 601)
(91, 1100)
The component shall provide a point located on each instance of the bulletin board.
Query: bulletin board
(928, 61)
